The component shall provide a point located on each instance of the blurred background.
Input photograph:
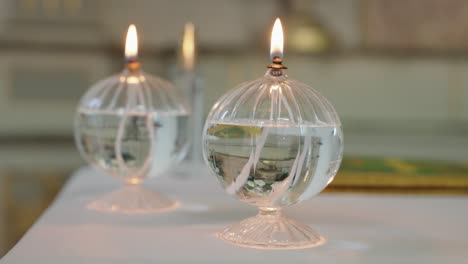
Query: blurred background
(395, 71)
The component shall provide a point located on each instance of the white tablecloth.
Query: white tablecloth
(359, 228)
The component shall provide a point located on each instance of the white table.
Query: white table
(359, 228)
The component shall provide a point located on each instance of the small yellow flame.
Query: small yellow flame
(276, 48)
(131, 43)
(188, 46)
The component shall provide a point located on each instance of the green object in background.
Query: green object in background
(397, 175)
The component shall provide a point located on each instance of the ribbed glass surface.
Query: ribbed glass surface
(132, 125)
(134, 92)
(275, 100)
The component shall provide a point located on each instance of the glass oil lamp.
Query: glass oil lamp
(129, 126)
(273, 142)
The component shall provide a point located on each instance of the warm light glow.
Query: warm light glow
(276, 48)
(188, 46)
(131, 44)
(134, 181)
(132, 80)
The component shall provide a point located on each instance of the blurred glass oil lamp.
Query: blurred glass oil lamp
(273, 142)
(193, 87)
(129, 126)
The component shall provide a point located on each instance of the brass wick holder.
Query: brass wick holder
(277, 66)
(132, 64)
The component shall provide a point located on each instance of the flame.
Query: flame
(276, 48)
(188, 46)
(131, 43)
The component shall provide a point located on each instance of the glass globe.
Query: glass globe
(132, 126)
(273, 142)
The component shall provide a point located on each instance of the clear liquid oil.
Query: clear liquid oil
(273, 166)
(134, 145)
